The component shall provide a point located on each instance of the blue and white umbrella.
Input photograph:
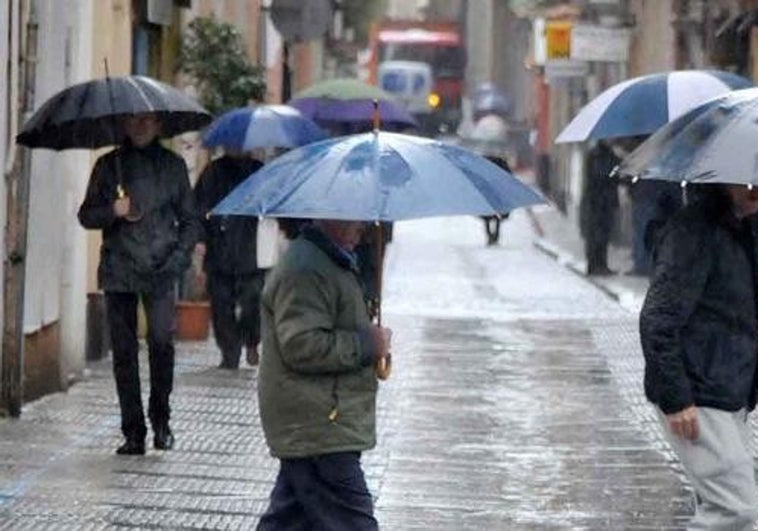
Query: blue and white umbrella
(262, 126)
(378, 176)
(640, 106)
(713, 143)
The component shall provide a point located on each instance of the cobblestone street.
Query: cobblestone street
(515, 403)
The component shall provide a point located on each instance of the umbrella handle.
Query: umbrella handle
(134, 214)
(383, 367)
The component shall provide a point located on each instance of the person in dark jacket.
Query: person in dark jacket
(492, 223)
(699, 331)
(139, 196)
(234, 279)
(598, 207)
(317, 386)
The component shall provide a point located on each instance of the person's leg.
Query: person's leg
(221, 289)
(250, 287)
(160, 310)
(122, 323)
(719, 464)
(284, 512)
(333, 492)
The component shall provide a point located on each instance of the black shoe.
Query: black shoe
(252, 356)
(227, 365)
(164, 439)
(132, 447)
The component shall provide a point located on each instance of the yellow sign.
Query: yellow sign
(558, 39)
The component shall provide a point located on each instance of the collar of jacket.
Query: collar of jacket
(341, 257)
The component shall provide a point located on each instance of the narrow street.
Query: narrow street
(515, 403)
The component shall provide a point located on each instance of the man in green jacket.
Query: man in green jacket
(317, 387)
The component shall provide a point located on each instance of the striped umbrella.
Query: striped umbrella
(262, 126)
(641, 105)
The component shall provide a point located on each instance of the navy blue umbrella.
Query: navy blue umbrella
(378, 176)
(262, 126)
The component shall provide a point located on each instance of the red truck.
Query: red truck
(438, 44)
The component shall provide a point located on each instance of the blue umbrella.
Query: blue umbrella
(642, 105)
(713, 143)
(378, 176)
(262, 126)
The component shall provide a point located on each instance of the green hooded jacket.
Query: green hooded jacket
(316, 388)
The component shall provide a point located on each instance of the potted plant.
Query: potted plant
(193, 309)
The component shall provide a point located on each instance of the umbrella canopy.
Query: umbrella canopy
(378, 176)
(262, 126)
(87, 115)
(642, 105)
(713, 143)
(345, 100)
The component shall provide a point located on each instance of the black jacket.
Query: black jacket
(148, 254)
(230, 241)
(698, 323)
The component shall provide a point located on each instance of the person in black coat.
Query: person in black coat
(233, 277)
(598, 207)
(699, 334)
(139, 196)
(492, 223)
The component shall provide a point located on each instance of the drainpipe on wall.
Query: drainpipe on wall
(17, 189)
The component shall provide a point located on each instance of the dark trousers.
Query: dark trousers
(596, 252)
(322, 493)
(233, 329)
(122, 321)
(492, 228)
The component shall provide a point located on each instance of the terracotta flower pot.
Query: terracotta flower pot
(193, 320)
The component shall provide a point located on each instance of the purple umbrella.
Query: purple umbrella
(349, 101)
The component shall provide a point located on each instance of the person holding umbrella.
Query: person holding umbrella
(316, 386)
(698, 330)
(230, 260)
(139, 196)
(235, 271)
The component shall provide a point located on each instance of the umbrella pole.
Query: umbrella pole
(383, 366)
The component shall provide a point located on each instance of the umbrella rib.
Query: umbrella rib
(142, 94)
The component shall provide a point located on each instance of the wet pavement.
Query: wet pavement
(515, 403)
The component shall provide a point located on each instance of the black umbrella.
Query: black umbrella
(87, 115)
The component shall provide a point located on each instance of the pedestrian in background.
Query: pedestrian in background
(699, 333)
(492, 223)
(598, 207)
(139, 196)
(316, 385)
(234, 278)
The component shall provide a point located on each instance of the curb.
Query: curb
(624, 297)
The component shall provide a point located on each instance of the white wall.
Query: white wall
(56, 265)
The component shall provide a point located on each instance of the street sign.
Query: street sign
(597, 43)
(558, 38)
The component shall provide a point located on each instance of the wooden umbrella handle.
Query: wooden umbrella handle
(383, 367)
